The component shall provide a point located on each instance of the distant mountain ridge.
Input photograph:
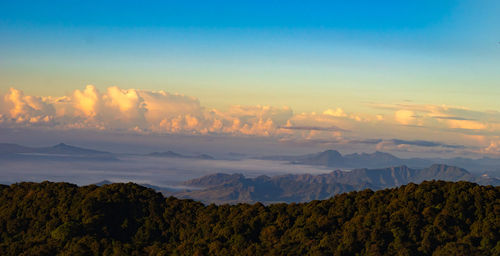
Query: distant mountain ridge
(233, 188)
(61, 148)
(333, 158)
(12, 151)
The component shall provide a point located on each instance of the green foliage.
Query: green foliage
(433, 218)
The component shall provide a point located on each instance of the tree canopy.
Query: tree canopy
(432, 218)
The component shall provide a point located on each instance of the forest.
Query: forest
(431, 218)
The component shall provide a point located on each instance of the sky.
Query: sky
(419, 76)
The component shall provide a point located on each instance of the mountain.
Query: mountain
(177, 155)
(236, 188)
(374, 159)
(327, 158)
(8, 148)
(233, 188)
(333, 158)
(62, 148)
(60, 151)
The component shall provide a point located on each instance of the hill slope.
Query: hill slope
(433, 218)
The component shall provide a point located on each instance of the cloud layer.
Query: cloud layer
(396, 127)
(138, 110)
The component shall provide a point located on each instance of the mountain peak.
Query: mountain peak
(445, 167)
(215, 179)
(63, 148)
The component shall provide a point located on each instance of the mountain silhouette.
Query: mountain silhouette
(234, 188)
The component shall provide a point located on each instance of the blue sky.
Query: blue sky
(229, 14)
(209, 48)
(169, 44)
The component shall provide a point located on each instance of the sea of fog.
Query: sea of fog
(165, 172)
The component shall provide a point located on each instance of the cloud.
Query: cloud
(367, 141)
(466, 124)
(276, 115)
(398, 142)
(416, 146)
(162, 105)
(145, 111)
(123, 100)
(452, 118)
(139, 111)
(313, 128)
(27, 110)
(86, 101)
(337, 112)
(405, 116)
(493, 148)
(424, 143)
(444, 117)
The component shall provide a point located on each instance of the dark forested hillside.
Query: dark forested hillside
(433, 218)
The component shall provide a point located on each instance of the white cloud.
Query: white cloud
(26, 109)
(86, 102)
(139, 110)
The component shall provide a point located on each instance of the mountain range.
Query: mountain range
(60, 151)
(333, 158)
(235, 188)
(63, 151)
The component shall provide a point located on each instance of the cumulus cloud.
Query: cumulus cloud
(145, 111)
(26, 110)
(139, 110)
(86, 102)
